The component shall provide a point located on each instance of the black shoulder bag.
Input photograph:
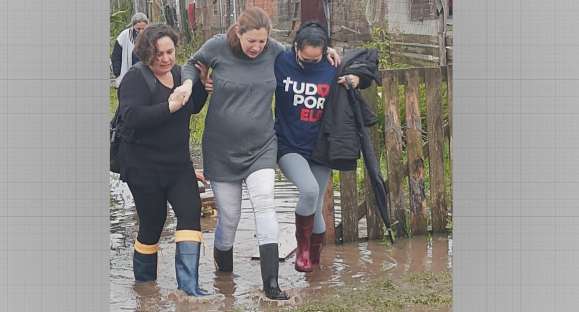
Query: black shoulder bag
(116, 125)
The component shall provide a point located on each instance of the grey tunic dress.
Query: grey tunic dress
(239, 137)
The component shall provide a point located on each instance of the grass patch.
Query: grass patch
(413, 290)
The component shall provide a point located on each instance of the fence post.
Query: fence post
(415, 155)
(328, 211)
(449, 84)
(433, 81)
(140, 6)
(349, 203)
(373, 219)
(393, 143)
(156, 11)
(449, 92)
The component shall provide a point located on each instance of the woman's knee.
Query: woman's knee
(149, 235)
(230, 220)
(310, 195)
(261, 194)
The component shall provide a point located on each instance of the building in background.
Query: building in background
(420, 31)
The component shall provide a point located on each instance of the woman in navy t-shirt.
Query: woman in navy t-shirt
(304, 77)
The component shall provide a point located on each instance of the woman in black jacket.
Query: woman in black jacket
(155, 160)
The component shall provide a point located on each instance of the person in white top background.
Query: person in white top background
(122, 57)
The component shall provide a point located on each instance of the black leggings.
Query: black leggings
(152, 190)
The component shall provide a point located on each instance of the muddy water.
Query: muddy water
(342, 265)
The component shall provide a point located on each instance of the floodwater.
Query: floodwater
(341, 265)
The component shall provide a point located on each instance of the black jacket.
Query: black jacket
(153, 137)
(339, 142)
(345, 129)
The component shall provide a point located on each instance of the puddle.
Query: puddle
(345, 265)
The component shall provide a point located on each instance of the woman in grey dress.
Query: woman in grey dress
(239, 141)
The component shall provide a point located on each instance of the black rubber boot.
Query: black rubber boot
(187, 268)
(223, 259)
(269, 261)
(145, 266)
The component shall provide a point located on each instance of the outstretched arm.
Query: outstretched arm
(205, 55)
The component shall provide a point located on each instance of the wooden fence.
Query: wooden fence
(420, 50)
(412, 154)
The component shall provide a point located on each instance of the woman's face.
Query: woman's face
(139, 26)
(310, 54)
(165, 58)
(253, 42)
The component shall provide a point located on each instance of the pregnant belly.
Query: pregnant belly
(240, 133)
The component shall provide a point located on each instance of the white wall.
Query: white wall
(398, 15)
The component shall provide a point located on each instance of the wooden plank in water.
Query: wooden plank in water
(328, 211)
(393, 142)
(287, 242)
(207, 204)
(415, 155)
(435, 147)
(450, 108)
(349, 205)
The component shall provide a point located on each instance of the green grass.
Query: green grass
(414, 290)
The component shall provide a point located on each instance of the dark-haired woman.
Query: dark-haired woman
(304, 78)
(155, 159)
(239, 142)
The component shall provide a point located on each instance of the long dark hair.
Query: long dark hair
(311, 34)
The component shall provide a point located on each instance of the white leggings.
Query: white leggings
(260, 186)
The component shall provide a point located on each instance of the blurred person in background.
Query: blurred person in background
(123, 56)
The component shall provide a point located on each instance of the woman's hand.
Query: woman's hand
(176, 102)
(183, 92)
(200, 177)
(333, 57)
(349, 81)
(205, 77)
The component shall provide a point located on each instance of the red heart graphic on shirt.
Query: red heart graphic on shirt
(323, 89)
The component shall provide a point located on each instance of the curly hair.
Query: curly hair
(146, 45)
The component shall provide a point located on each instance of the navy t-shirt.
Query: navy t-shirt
(300, 97)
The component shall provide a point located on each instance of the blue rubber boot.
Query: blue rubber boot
(187, 268)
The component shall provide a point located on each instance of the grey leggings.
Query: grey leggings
(311, 181)
(260, 186)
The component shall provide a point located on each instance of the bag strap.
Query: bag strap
(148, 75)
(149, 79)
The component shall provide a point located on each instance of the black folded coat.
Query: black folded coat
(344, 132)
